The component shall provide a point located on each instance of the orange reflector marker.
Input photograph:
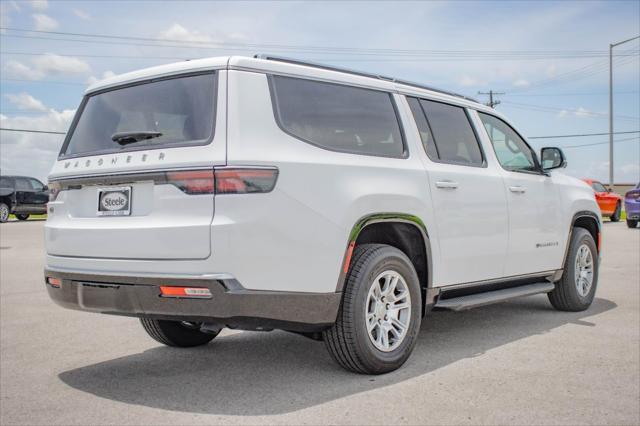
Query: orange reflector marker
(192, 292)
(347, 260)
(54, 282)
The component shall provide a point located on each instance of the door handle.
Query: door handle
(518, 189)
(447, 184)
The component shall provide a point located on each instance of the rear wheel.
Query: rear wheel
(176, 333)
(22, 216)
(577, 287)
(632, 223)
(616, 213)
(379, 319)
(4, 212)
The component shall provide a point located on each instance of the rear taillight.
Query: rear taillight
(193, 182)
(54, 190)
(227, 180)
(632, 195)
(245, 180)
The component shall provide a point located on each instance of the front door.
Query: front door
(534, 215)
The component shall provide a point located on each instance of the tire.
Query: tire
(22, 216)
(175, 333)
(566, 296)
(4, 212)
(615, 217)
(632, 223)
(349, 340)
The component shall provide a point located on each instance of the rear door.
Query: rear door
(135, 175)
(467, 194)
(534, 207)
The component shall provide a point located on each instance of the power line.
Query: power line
(580, 135)
(33, 131)
(393, 52)
(538, 137)
(542, 108)
(599, 143)
(43, 81)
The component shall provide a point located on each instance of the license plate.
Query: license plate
(114, 201)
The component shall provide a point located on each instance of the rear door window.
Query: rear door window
(337, 117)
(23, 184)
(446, 132)
(175, 111)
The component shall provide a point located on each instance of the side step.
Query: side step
(487, 298)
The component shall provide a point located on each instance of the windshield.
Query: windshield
(175, 111)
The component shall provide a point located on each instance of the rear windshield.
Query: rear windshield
(169, 112)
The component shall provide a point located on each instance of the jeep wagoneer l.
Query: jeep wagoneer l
(266, 193)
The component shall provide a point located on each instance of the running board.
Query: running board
(487, 298)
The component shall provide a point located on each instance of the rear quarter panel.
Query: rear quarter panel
(295, 237)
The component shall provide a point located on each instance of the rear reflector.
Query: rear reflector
(191, 292)
(54, 282)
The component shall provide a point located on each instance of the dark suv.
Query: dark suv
(22, 196)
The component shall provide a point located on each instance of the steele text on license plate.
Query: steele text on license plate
(114, 201)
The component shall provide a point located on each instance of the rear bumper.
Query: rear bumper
(632, 209)
(230, 304)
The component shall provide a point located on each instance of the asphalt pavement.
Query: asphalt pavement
(519, 362)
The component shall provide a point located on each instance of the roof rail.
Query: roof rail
(360, 73)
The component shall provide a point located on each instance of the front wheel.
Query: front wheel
(22, 216)
(632, 223)
(577, 287)
(616, 213)
(176, 333)
(4, 212)
(379, 319)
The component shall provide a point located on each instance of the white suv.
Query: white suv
(261, 193)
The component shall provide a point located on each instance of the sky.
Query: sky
(550, 59)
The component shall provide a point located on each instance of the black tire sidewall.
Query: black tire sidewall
(580, 237)
(387, 258)
(615, 217)
(632, 223)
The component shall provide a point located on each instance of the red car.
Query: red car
(610, 203)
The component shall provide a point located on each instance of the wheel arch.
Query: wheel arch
(399, 230)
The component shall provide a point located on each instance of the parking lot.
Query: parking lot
(519, 362)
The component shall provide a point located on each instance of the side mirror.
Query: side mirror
(608, 189)
(45, 188)
(552, 158)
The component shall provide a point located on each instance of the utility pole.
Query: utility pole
(491, 102)
(611, 46)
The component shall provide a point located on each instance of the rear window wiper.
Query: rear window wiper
(125, 138)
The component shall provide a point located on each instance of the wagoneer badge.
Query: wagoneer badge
(114, 201)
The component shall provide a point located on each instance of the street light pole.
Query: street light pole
(611, 46)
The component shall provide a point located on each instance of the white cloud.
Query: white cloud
(25, 101)
(178, 32)
(81, 14)
(630, 168)
(583, 112)
(521, 82)
(46, 65)
(562, 113)
(39, 5)
(467, 81)
(93, 79)
(5, 10)
(32, 154)
(44, 22)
